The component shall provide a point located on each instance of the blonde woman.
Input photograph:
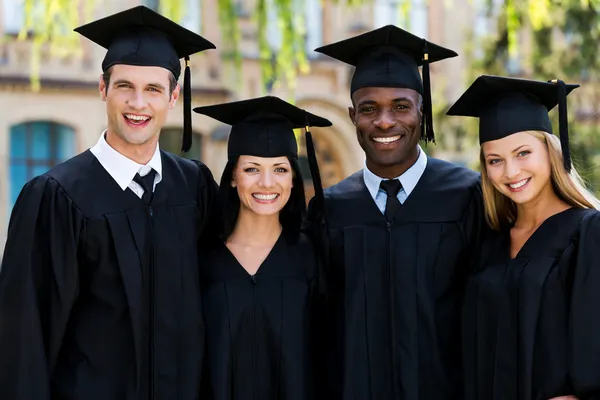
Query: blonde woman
(531, 312)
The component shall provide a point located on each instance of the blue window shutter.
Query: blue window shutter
(36, 147)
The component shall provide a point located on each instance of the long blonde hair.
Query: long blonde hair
(501, 211)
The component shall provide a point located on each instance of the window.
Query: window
(192, 18)
(410, 15)
(151, 4)
(314, 26)
(13, 12)
(35, 147)
(170, 140)
(192, 9)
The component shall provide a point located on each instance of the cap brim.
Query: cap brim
(487, 87)
(351, 50)
(238, 111)
(105, 30)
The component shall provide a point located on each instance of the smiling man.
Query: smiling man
(99, 290)
(399, 235)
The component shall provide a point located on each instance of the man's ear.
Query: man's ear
(102, 88)
(175, 96)
(352, 114)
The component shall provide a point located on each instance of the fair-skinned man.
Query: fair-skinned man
(137, 103)
(399, 236)
(99, 286)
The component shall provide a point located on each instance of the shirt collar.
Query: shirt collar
(408, 179)
(121, 168)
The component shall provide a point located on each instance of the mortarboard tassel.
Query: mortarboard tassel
(314, 167)
(187, 108)
(563, 123)
(427, 133)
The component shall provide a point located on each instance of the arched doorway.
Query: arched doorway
(328, 158)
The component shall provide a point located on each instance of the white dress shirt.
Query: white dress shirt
(408, 179)
(123, 169)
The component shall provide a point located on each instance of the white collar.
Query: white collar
(408, 179)
(121, 168)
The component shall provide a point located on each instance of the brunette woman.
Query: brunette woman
(262, 296)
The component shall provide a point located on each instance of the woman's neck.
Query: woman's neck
(530, 215)
(253, 230)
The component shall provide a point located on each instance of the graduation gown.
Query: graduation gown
(100, 294)
(531, 323)
(396, 288)
(262, 330)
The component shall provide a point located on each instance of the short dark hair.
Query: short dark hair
(290, 216)
(106, 78)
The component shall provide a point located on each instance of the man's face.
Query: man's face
(388, 126)
(137, 102)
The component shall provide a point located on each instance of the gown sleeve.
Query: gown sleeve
(208, 192)
(320, 331)
(327, 300)
(315, 227)
(475, 228)
(38, 286)
(584, 324)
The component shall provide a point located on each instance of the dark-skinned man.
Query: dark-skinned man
(399, 236)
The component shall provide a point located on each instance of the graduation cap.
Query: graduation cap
(142, 37)
(509, 105)
(390, 57)
(264, 127)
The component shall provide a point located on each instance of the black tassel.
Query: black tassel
(187, 108)
(563, 123)
(314, 168)
(427, 133)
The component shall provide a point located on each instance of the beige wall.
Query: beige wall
(73, 99)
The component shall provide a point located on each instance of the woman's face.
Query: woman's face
(263, 184)
(519, 167)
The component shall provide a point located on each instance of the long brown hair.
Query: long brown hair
(501, 211)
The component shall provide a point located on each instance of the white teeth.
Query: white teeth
(265, 196)
(386, 139)
(137, 117)
(518, 184)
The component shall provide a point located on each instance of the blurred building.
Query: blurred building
(39, 130)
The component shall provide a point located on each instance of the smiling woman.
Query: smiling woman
(263, 296)
(529, 318)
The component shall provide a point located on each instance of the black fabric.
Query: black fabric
(396, 287)
(531, 328)
(264, 331)
(99, 292)
(392, 204)
(386, 57)
(147, 183)
(140, 36)
(263, 126)
(509, 105)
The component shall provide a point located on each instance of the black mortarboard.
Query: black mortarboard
(140, 36)
(509, 105)
(390, 57)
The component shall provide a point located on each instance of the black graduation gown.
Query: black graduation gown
(396, 289)
(531, 326)
(262, 329)
(97, 299)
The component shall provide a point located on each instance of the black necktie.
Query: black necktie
(147, 183)
(391, 187)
